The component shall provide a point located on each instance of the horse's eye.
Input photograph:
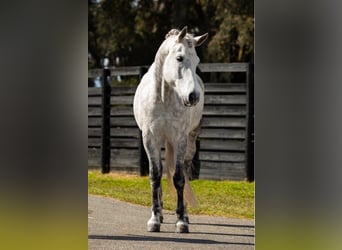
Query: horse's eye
(179, 58)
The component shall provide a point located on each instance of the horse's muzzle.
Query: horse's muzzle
(192, 99)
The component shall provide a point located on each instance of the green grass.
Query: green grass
(219, 198)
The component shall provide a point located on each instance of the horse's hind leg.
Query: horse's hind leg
(153, 152)
(190, 152)
(189, 155)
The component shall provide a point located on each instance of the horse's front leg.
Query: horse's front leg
(182, 225)
(155, 167)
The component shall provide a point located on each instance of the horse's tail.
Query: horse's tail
(170, 165)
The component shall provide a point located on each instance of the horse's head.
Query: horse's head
(179, 69)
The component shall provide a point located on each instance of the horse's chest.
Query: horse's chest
(171, 122)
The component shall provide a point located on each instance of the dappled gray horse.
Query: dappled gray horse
(168, 107)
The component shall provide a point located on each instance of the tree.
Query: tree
(234, 39)
(133, 30)
(110, 30)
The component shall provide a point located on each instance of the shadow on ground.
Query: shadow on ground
(164, 239)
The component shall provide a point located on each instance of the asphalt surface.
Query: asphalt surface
(114, 224)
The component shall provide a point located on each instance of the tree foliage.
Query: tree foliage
(129, 32)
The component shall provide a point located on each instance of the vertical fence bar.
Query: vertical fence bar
(250, 123)
(106, 92)
(144, 166)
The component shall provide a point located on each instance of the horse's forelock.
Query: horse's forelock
(173, 32)
(188, 37)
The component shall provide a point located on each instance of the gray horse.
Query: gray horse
(168, 107)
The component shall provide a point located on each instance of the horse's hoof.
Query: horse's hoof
(182, 227)
(153, 227)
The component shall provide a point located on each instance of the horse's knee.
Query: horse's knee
(179, 180)
(155, 180)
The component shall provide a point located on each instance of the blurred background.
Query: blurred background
(130, 32)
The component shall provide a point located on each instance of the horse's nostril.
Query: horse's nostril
(192, 97)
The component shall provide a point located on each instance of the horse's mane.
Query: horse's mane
(159, 62)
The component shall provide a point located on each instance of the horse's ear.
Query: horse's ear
(200, 39)
(182, 34)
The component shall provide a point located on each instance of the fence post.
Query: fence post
(250, 123)
(144, 166)
(106, 92)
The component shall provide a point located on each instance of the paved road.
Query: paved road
(114, 224)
